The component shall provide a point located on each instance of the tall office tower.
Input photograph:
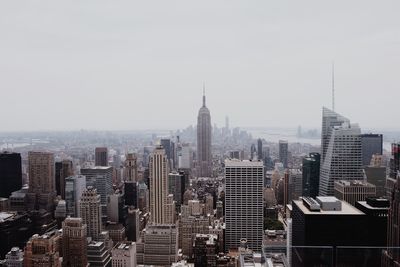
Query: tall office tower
(63, 170)
(170, 209)
(204, 158)
(115, 207)
(343, 158)
(42, 187)
(90, 212)
(283, 153)
(158, 186)
(98, 254)
(330, 119)
(10, 173)
(74, 243)
(124, 254)
(74, 187)
(253, 151)
(185, 157)
(132, 224)
(131, 168)
(295, 184)
(311, 168)
(159, 245)
(131, 193)
(101, 156)
(370, 144)
(100, 178)
(143, 197)
(260, 149)
(14, 258)
(353, 190)
(176, 186)
(169, 148)
(244, 203)
(376, 175)
(43, 250)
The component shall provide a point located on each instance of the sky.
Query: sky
(127, 65)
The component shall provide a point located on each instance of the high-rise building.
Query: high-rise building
(124, 254)
(169, 148)
(42, 187)
(284, 153)
(115, 207)
(132, 224)
(90, 212)
(244, 203)
(370, 144)
(131, 193)
(63, 169)
(260, 149)
(131, 168)
(330, 119)
(376, 175)
(43, 250)
(159, 245)
(101, 156)
(176, 186)
(74, 243)
(205, 250)
(311, 168)
(100, 177)
(342, 159)
(10, 173)
(143, 197)
(353, 190)
(158, 186)
(185, 157)
(14, 258)
(74, 187)
(391, 256)
(204, 158)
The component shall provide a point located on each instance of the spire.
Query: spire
(333, 86)
(204, 94)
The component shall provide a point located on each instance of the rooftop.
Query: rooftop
(347, 209)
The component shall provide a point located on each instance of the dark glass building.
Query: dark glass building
(10, 173)
(311, 167)
(370, 144)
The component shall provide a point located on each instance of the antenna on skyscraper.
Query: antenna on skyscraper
(333, 85)
(204, 94)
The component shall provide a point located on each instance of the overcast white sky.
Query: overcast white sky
(119, 65)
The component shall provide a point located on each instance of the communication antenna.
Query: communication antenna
(333, 85)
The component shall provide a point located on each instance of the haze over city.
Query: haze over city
(141, 65)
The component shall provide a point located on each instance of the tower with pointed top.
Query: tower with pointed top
(204, 164)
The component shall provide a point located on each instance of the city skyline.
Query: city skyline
(251, 56)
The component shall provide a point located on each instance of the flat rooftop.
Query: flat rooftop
(243, 163)
(347, 209)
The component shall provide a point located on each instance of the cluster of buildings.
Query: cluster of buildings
(266, 206)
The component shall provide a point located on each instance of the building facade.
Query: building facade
(74, 243)
(204, 157)
(90, 212)
(10, 173)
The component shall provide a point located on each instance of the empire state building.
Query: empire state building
(204, 165)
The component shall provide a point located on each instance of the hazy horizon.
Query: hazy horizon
(141, 65)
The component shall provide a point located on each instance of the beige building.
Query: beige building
(90, 211)
(352, 191)
(124, 254)
(130, 168)
(158, 245)
(74, 242)
(43, 250)
(42, 190)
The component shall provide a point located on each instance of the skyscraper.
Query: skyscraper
(283, 153)
(63, 170)
(311, 168)
(158, 186)
(260, 150)
(42, 188)
(14, 258)
(124, 254)
(74, 187)
(330, 119)
(342, 159)
(90, 212)
(370, 144)
(244, 203)
(10, 173)
(74, 243)
(101, 156)
(131, 169)
(204, 158)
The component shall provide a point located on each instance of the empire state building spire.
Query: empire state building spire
(204, 166)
